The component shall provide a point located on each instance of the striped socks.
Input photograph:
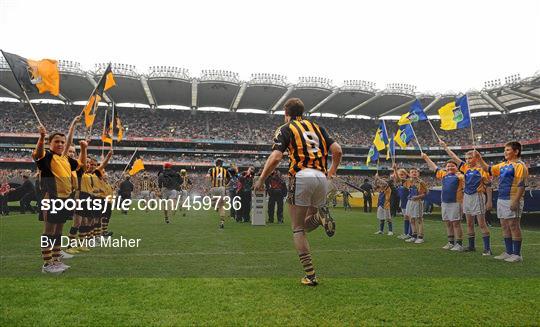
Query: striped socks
(305, 260)
(46, 251)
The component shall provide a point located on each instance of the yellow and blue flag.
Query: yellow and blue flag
(416, 113)
(381, 137)
(404, 135)
(455, 115)
(373, 155)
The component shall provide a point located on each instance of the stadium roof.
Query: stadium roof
(173, 86)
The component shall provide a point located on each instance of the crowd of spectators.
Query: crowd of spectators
(260, 128)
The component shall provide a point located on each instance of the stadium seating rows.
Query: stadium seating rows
(252, 127)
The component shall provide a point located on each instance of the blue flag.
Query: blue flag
(416, 113)
(373, 155)
(381, 138)
(404, 135)
(455, 115)
(391, 151)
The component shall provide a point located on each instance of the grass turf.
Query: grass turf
(189, 272)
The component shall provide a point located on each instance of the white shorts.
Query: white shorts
(183, 194)
(383, 214)
(504, 211)
(474, 204)
(451, 211)
(308, 188)
(168, 193)
(217, 191)
(415, 209)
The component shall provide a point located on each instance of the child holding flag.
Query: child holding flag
(400, 177)
(417, 191)
(477, 186)
(383, 205)
(451, 199)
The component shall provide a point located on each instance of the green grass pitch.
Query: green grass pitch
(189, 272)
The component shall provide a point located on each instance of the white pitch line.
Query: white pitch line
(254, 252)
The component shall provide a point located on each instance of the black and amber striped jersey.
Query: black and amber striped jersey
(219, 176)
(147, 185)
(55, 171)
(306, 142)
(185, 183)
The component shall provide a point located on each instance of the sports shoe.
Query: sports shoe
(327, 221)
(51, 269)
(419, 241)
(72, 251)
(401, 236)
(448, 246)
(65, 255)
(410, 240)
(514, 258)
(390, 233)
(61, 265)
(221, 225)
(502, 256)
(309, 281)
(457, 248)
(379, 232)
(407, 237)
(487, 253)
(108, 234)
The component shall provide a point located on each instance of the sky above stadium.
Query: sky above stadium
(437, 46)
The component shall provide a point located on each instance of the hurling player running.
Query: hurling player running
(308, 145)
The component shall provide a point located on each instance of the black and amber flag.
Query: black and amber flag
(105, 82)
(34, 75)
(106, 135)
(118, 127)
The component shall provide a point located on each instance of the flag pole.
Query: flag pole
(416, 138)
(32, 107)
(103, 133)
(129, 162)
(470, 123)
(113, 121)
(94, 109)
(388, 137)
(23, 91)
(393, 153)
(433, 129)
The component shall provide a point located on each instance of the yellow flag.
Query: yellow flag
(89, 114)
(404, 119)
(45, 73)
(446, 113)
(109, 81)
(137, 167)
